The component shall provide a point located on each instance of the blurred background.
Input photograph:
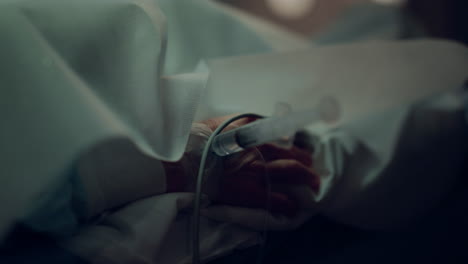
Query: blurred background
(327, 21)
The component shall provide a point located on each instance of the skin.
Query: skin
(245, 184)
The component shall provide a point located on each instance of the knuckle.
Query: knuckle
(292, 163)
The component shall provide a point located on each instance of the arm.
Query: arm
(115, 173)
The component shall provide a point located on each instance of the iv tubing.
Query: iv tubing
(198, 189)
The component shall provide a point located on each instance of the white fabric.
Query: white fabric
(93, 71)
(363, 77)
(392, 167)
(75, 73)
(367, 179)
(109, 183)
(156, 230)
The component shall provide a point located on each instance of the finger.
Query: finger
(254, 196)
(292, 172)
(248, 159)
(303, 155)
(279, 203)
(271, 152)
(243, 191)
(257, 177)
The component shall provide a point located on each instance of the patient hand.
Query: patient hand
(260, 177)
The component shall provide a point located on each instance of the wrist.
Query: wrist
(181, 175)
(177, 177)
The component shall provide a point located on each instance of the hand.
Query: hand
(181, 174)
(258, 178)
(244, 183)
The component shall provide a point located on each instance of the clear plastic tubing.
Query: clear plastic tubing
(274, 128)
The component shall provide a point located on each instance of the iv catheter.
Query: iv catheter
(274, 128)
(254, 134)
